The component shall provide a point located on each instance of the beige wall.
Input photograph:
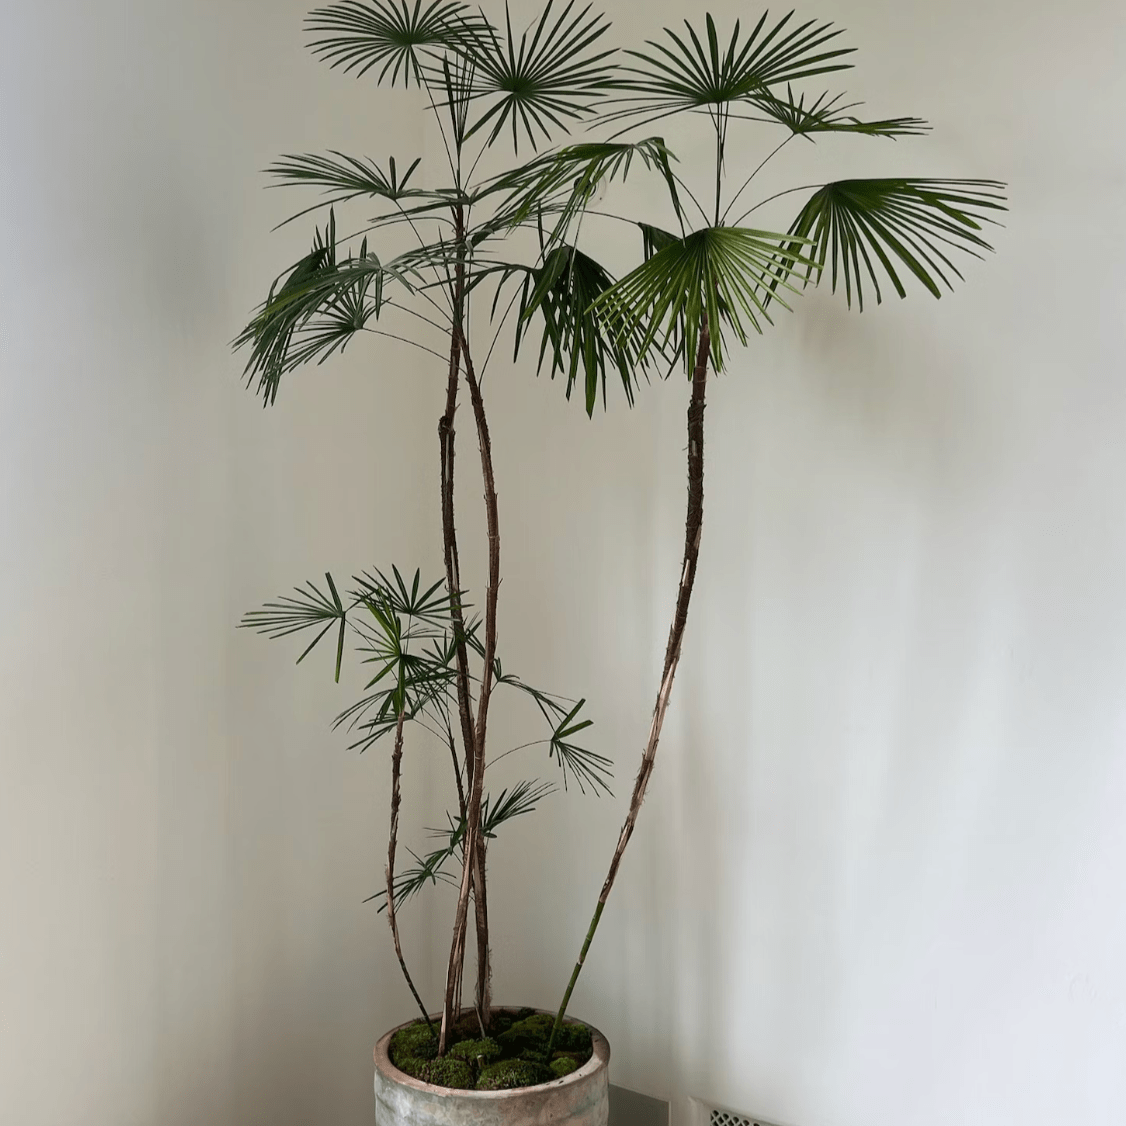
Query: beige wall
(879, 876)
(184, 845)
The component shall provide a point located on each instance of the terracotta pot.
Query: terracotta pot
(579, 1099)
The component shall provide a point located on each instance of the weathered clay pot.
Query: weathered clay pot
(579, 1099)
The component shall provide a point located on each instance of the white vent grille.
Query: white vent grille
(730, 1118)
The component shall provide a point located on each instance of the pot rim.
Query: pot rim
(599, 1059)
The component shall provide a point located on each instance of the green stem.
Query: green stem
(574, 977)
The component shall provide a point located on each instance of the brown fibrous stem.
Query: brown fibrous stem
(492, 520)
(453, 584)
(473, 850)
(396, 771)
(693, 528)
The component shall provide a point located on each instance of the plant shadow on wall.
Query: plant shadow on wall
(515, 248)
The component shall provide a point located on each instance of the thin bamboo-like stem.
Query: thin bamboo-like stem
(453, 583)
(472, 825)
(692, 532)
(396, 770)
(449, 531)
(484, 695)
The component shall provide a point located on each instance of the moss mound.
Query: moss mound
(530, 1033)
(563, 1065)
(450, 1073)
(481, 1052)
(415, 1042)
(575, 1038)
(514, 1054)
(512, 1073)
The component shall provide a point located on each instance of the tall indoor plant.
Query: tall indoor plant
(701, 286)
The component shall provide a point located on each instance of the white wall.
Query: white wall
(184, 845)
(878, 878)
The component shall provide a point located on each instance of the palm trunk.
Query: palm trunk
(449, 531)
(453, 583)
(692, 532)
(492, 518)
(473, 851)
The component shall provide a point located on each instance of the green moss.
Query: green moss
(413, 1042)
(563, 1065)
(449, 1072)
(538, 1024)
(487, 1051)
(512, 1073)
(575, 1038)
(446, 1072)
(514, 1056)
(531, 1032)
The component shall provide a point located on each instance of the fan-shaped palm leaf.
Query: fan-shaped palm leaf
(360, 34)
(587, 767)
(543, 80)
(523, 798)
(346, 177)
(307, 608)
(825, 115)
(319, 306)
(864, 227)
(723, 271)
(563, 291)
(684, 74)
(563, 182)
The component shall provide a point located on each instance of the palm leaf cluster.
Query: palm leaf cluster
(405, 634)
(863, 231)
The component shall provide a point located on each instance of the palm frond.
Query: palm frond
(542, 82)
(343, 177)
(346, 312)
(508, 804)
(521, 799)
(563, 182)
(360, 34)
(587, 767)
(307, 608)
(563, 291)
(864, 227)
(723, 271)
(826, 115)
(429, 869)
(682, 73)
(410, 683)
(320, 305)
(429, 604)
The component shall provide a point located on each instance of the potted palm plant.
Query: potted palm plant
(499, 240)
